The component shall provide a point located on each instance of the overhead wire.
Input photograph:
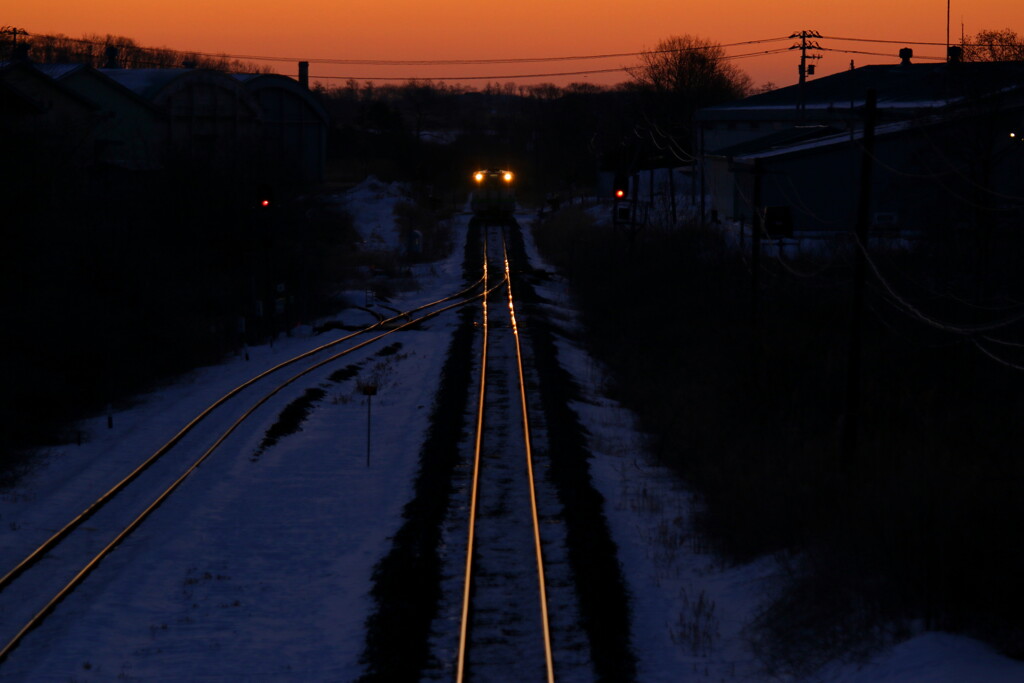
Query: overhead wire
(877, 54)
(996, 358)
(435, 62)
(960, 329)
(491, 77)
(518, 60)
(671, 145)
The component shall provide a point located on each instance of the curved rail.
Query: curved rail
(96, 505)
(94, 562)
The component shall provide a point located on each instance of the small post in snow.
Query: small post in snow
(369, 390)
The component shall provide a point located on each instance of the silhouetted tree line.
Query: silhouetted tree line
(558, 138)
(102, 51)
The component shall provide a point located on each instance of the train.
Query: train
(494, 197)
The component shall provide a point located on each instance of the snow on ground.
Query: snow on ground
(371, 204)
(260, 567)
(689, 610)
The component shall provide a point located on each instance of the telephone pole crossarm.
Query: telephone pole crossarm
(806, 44)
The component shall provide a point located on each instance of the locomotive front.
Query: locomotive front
(493, 194)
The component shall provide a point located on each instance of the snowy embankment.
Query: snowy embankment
(372, 207)
(690, 612)
(260, 567)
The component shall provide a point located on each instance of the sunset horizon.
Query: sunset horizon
(530, 43)
(392, 341)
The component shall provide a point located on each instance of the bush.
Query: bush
(749, 408)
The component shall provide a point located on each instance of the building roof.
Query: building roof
(256, 82)
(144, 82)
(779, 139)
(899, 87)
(155, 84)
(59, 71)
(12, 74)
(71, 74)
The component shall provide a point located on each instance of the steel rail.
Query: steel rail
(474, 496)
(545, 623)
(96, 505)
(477, 445)
(94, 562)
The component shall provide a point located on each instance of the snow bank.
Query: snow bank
(372, 206)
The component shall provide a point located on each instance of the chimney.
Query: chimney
(111, 53)
(954, 54)
(304, 74)
(905, 55)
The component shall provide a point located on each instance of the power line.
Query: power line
(878, 54)
(533, 75)
(510, 60)
(469, 78)
(996, 358)
(903, 42)
(901, 303)
(434, 62)
(873, 40)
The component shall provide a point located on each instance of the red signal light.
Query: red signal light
(265, 202)
(619, 194)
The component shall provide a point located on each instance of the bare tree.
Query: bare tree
(679, 76)
(693, 67)
(994, 46)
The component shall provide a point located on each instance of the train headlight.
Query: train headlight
(479, 176)
(508, 177)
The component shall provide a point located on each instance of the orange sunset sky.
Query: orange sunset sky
(460, 30)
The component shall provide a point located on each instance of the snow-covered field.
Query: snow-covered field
(259, 568)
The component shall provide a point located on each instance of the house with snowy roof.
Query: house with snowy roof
(948, 150)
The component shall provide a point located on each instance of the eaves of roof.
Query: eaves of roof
(62, 72)
(255, 82)
(899, 88)
(31, 72)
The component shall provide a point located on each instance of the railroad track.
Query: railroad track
(31, 590)
(504, 624)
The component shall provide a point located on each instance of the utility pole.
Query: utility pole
(851, 425)
(757, 225)
(947, 31)
(805, 45)
(14, 32)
